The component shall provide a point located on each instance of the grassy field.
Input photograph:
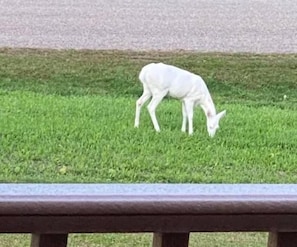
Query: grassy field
(67, 116)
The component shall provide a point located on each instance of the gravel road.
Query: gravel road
(261, 26)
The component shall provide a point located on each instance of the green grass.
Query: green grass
(52, 138)
(231, 77)
(67, 116)
(145, 240)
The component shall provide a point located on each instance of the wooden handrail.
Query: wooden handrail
(51, 211)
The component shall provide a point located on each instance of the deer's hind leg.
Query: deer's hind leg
(157, 98)
(140, 102)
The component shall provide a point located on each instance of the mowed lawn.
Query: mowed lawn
(68, 116)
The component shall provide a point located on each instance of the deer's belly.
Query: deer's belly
(177, 94)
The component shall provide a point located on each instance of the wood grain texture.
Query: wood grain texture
(171, 240)
(49, 240)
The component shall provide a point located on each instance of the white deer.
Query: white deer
(160, 79)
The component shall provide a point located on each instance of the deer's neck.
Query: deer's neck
(209, 107)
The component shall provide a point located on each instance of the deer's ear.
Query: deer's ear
(221, 114)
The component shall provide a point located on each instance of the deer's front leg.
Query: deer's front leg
(189, 105)
(184, 124)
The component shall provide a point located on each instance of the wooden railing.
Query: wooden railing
(171, 211)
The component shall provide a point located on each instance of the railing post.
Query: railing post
(49, 240)
(171, 240)
(282, 239)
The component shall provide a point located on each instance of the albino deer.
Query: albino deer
(160, 79)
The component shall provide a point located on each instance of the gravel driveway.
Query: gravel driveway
(201, 25)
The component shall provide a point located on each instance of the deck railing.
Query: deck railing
(171, 211)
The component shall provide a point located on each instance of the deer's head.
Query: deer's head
(213, 123)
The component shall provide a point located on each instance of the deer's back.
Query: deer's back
(179, 83)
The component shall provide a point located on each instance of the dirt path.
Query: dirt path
(202, 25)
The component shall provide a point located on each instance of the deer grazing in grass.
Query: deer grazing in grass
(159, 80)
